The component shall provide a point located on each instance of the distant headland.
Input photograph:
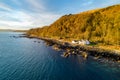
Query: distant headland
(13, 30)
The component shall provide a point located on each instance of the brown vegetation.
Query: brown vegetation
(99, 26)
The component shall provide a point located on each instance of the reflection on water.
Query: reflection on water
(26, 59)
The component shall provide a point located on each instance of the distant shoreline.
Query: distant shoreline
(85, 51)
(11, 30)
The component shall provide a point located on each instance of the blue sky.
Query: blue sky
(26, 14)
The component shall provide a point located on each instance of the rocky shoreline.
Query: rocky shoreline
(84, 51)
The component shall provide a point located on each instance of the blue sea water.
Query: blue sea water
(26, 59)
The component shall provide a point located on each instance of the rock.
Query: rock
(34, 41)
(68, 50)
(65, 54)
(69, 53)
(96, 57)
(56, 47)
(73, 52)
(38, 41)
(79, 52)
(118, 61)
(49, 43)
(84, 54)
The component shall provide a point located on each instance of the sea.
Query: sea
(23, 58)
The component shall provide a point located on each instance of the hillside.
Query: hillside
(100, 26)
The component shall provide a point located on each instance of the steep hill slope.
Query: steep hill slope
(101, 25)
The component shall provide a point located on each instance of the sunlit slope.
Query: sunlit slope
(100, 25)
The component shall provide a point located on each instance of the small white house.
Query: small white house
(87, 42)
(81, 42)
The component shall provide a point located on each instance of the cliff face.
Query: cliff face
(101, 25)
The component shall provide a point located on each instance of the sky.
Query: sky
(27, 14)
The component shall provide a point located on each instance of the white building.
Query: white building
(87, 42)
(81, 42)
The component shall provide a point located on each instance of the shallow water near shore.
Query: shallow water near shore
(31, 59)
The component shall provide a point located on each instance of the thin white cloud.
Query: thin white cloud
(88, 3)
(5, 7)
(44, 19)
(110, 2)
(23, 19)
(36, 5)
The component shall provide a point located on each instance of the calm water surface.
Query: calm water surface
(25, 59)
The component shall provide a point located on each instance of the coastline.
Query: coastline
(83, 50)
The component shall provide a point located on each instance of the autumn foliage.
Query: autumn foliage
(100, 26)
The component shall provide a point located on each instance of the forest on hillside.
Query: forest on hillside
(100, 26)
